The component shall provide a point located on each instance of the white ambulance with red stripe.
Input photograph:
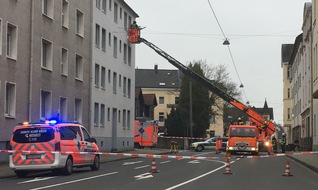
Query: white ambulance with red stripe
(52, 146)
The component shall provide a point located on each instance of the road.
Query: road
(134, 174)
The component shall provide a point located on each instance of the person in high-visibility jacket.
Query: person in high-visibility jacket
(240, 121)
(274, 143)
(283, 142)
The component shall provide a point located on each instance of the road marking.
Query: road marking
(74, 181)
(164, 162)
(136, 168)
(36, 179)
(194, 162)
(191, 180)
(131, 163)
(143, 176)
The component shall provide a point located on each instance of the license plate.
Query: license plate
(33, 156)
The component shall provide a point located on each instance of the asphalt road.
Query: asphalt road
(134, 174)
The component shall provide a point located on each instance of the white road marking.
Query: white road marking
(136, 168)
(164, 162)
(74, 181)
(36, 179)
(131, 163)
(194, 162)
(143, 176)
(191, 180)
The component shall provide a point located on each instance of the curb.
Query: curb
(313, 168)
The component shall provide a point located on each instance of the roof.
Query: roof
(298, 40)
(155, 78)
(287, 50)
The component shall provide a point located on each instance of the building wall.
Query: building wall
(117, 97)
(315, 73)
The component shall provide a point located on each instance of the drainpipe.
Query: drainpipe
(31, 62)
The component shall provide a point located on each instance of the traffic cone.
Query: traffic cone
(153, 166)
(227, 167)
(287, 170)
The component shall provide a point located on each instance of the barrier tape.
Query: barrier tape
(158, 156)
(173, 137)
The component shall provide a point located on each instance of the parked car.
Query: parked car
(53, 146)
(208, 144)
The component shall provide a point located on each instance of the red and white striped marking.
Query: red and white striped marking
(158, 156)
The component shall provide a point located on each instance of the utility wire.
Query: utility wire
(241, 84)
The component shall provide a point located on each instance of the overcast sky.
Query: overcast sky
(188, 31)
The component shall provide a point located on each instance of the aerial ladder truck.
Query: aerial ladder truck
(236, 143)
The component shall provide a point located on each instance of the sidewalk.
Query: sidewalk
(308, 160)
(5, 171)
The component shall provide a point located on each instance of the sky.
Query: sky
(189, 31)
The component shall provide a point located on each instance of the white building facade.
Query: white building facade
(113, 76)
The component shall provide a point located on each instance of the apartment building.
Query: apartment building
(314, 73)
(44, 62)
(286, 52)
(113, 75)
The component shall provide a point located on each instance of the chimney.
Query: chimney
(156, 69)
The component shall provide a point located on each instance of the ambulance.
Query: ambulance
(54, 146)
(145, 134)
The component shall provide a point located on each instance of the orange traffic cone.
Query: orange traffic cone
(153, 166)
(227, 167)
(287, 170)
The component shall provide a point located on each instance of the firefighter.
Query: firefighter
(274, 143)
(218, 145)
(240, 121)
(283, 142)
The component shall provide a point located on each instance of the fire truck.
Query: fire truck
(263, 128)
(145, 134)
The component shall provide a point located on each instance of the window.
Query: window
(79, 23)
(86, 135)
(70, 133)
(114, 82)
(98, 4)
(176, 100)
(125, 53)
(125, 20)
(115, 12)
(0, 36)
(12, 41)
(119, 116)
(103, 78)
(103, 39)
(63, 109)
(129, 55)
(109, 76)
(129, 21)
(119, 81)
(47, 8)
(97, 35)
(120, 13)
(115, 47)
(64, 61)
(47, 54)
(110, 5)
(65, 13)
(288, 113)
(79, 67)
(46, 103)
(10, 100)
(109, 39)
(161, 116)
(78, 110)
(96, 114)
(108, 114)
(161, 100)
(124, 118)
(120, 46)
(129, 88)
(124, 87)
(102, 115)
(128, 119)
(212, 118)
(288, 93)
(104, 6)
(96, 75)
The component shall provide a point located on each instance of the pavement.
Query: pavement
(309, 160)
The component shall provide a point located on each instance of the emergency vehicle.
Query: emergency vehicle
(145, 134)
(52, 146)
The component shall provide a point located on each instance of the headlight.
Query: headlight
(231, 148)
(267, 143)
(253, 148)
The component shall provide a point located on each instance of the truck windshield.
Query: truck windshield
(33, 135)
(242, 132)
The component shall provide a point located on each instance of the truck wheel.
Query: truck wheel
(96, 163)
(21, 174)
(199, 148)
(68, 168)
